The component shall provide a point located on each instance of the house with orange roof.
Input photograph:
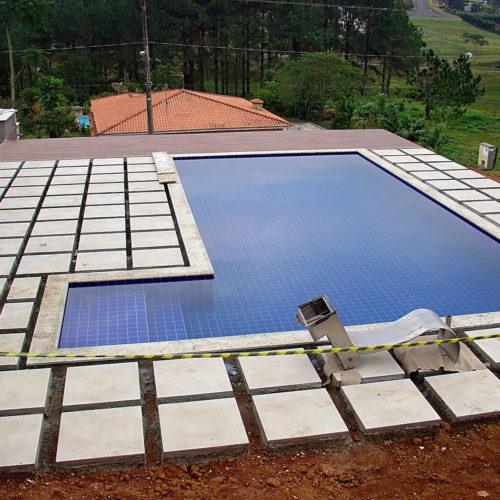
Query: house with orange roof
(180, 110)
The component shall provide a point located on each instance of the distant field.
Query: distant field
(444, 36)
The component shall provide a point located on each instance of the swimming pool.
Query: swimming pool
(280, 230)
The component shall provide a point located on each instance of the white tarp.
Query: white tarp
(406, 328)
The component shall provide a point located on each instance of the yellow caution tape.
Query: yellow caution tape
(246, 354)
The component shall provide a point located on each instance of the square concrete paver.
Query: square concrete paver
(103, 435)
(10, 246)
(431, 157)
(148, 239)
(38, 164)
(34, 172)
(197, 427)
(297, 416)
(142, 167)
(110, 187)
(429, 175)
(414, 167)
(494, 217)
(27, 202)
(65, 189)
(25, 191)
(485, 207)
(19, 437)
(15, 315)
(150, 209)
(418, 151)
(373, 367)
(466, 195)
(134, 160)
(93, 261)
(107, 161)
(46, 244)
(448, 185)
(482, 183)
(62, 201)
(278, 373)
(19, 215)
(76, 170)
(102, 385)
(155, 197)
(10, 342)
(9, 164)
(6, 265)
(388, 406)
(191, 378)
(105, 199)
(153, 222)
(464, 174)
(97, 212)
(494, 193)
(103, 225)
(157, 257)
(107, 241)
(30, 181)
(107, 169)
(145, 186)
(24, 288)
(467, 395)
(97, 178)
(143, 176)
(489, 348)
(11, 229)
(48, 214)
(74, 163)
(40, 264)
(447, 165)
(54, 227)
(387, 152)
(400, 159)
(68, 179)
(24, 391)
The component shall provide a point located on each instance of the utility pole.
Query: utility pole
(145, 55)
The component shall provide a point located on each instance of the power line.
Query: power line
(76, 47)
(307, 4)
(231, 48)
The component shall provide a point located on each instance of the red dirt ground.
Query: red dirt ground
(453, 464)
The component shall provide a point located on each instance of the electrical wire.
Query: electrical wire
(307, 4)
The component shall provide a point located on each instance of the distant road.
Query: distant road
(423, 9)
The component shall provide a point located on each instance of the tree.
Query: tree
(306, 84)
(476, 39)
(14, 13)
(439, 85)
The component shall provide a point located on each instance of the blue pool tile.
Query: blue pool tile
(282, 230)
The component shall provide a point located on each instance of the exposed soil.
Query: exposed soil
(452, 464)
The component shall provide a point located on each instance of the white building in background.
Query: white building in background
(9, 126)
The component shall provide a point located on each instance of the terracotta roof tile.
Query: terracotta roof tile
(179, 110)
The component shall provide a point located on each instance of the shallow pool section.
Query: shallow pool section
(280, 230)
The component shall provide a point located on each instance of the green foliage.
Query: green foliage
(306, 84)
(270, 94)
(166, 76)
(441, 86)
(344, 111)
(51, 96)
(483, 21)
(476, 39)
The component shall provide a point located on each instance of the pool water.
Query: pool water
(281, 230)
